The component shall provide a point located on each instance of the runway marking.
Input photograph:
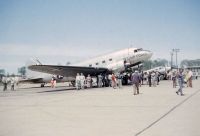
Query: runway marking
(172, 109)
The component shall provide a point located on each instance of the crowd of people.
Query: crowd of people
(8, 80)
(152, 79)
(140, 78)
(116, 80)
(181, 77)
(102, 80)
(187, 77)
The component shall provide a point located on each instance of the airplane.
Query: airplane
(113, 62)
(162, 70)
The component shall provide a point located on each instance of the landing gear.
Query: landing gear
(73, 83)
(42, 85)
(125, 80)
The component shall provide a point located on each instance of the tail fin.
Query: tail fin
(32, 61)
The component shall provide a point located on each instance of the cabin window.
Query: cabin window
(138, 50)
(103, 61)
(110, 59)
(90, 65)
(97, 63)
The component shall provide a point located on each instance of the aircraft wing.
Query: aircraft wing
(67, 70)
(31, 80)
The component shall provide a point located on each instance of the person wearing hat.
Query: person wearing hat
(135, 81)
(180, 82)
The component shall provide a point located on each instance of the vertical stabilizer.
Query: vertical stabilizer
(30, 73)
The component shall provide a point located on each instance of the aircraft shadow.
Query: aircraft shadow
(57, 90)
(34, 87)
(39, 87)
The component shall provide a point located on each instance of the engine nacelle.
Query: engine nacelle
(59, 77)
(117, 66)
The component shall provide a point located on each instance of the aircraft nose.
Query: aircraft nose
(148, 53)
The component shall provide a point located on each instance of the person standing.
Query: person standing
(158, 77)
(146, 78)
(78, 82)
(52, 82)
(89, 81)
(5, 83)
(107, 82)
(99, 80)
(180, 82)
(82, 79)
(103, 80)
(174, 79)
(190, 78)
(140, 75)
(142, 78)
(135, 81)
(154, 79)
(113, 81)
(12, 82)
(186, 77)
(119, 79)
(110, 80)
(149, 79)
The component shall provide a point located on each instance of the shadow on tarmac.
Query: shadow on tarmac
(39, 87)
(57, 90)
(34, 87)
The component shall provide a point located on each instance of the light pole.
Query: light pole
(171, 53)
(176, 51)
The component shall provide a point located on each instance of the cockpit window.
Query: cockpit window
(140, 49)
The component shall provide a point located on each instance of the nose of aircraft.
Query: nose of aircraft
(148, 53)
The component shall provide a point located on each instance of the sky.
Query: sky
(58, 31)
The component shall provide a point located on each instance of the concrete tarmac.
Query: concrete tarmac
(62, 111)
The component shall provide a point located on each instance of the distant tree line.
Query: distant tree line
(22, 71)
(185, 63)
(2, 72)
(149, 64)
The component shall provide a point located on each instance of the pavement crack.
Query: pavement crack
(167, 113)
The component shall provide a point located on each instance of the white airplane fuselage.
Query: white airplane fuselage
(114, 62)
